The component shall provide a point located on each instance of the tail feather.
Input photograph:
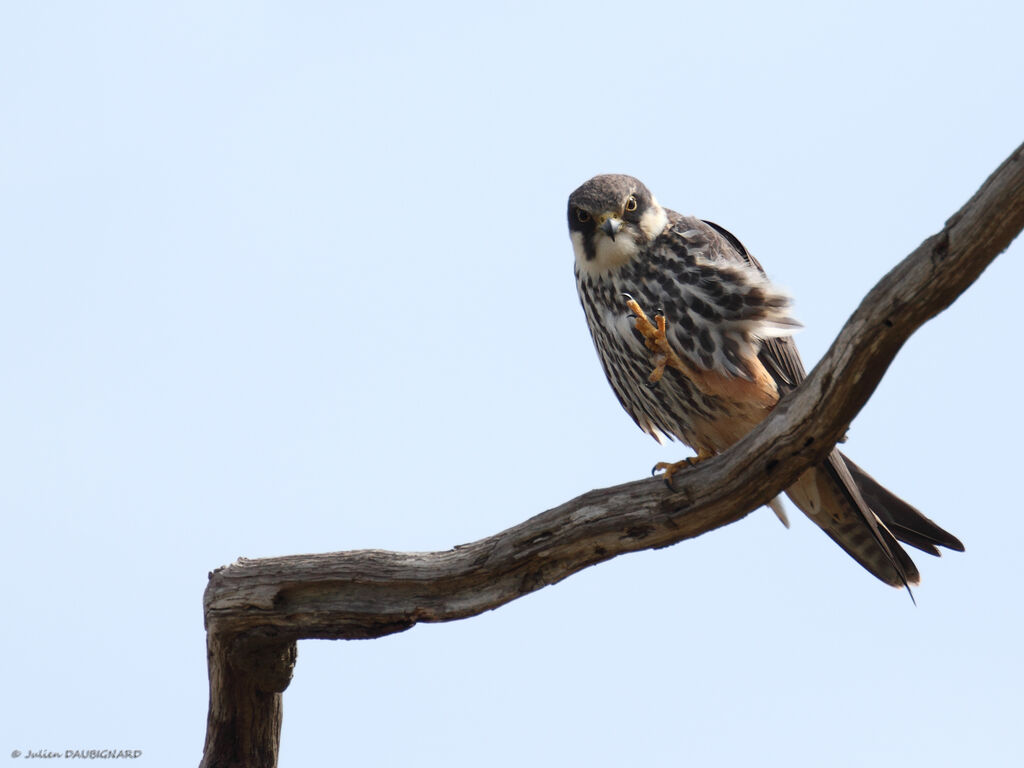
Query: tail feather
(828, 495)
(867, 520)
(904, 520)
(897, 570)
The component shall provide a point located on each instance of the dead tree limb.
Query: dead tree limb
(256, 610)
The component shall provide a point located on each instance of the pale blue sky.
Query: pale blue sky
(284, 278)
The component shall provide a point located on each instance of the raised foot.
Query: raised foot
(668, 469)
(656, 341)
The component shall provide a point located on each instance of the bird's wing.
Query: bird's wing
(720, 306)
(839, 508)
(778, 354)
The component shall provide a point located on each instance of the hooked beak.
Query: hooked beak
(611, 226)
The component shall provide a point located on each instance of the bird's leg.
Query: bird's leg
(668, 469)
(662, 355)
(657, 342)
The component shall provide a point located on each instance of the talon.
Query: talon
(670, 468)
(642, 323)
(656, 341)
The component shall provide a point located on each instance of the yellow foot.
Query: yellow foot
(656, 341)
(668, 469)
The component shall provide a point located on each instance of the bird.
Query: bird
(717, 358)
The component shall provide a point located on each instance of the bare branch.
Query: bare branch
(274, 602)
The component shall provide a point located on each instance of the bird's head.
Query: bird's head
(611, 217)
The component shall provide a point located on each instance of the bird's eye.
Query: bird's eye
(582, 216)
(631, 203)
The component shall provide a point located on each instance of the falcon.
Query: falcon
(716, 358)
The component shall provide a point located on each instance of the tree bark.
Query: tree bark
(257, 609)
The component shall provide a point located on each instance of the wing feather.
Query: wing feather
(721, 307)
(884, 557)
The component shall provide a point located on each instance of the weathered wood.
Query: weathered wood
(256, 609)
(248, 673)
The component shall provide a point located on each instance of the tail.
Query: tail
(904, 521)
(829, 495)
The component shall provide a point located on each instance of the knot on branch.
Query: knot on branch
(268, 664)
(940, 244)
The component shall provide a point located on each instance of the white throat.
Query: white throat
(611, 254)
